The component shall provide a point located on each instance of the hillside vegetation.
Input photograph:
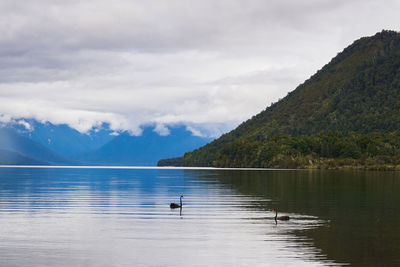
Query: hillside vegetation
(345, 115)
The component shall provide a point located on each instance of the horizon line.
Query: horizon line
(137, 167)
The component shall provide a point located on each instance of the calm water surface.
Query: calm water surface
(121, 217)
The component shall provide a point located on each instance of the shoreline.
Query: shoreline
(304, 168)
(140, 167)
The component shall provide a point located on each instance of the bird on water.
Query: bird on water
(280, 218)
(175, 206)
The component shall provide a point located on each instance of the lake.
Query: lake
(121, 217)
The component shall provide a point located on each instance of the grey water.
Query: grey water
(121, 217)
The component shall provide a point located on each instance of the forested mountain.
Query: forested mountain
(347, 114)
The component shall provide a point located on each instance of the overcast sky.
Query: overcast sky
(208, 64)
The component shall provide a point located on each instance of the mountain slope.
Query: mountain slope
(331, 115)
(24, 149)
(144, 150)
(8, 157)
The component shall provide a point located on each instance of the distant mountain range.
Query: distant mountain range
(59, 144)
(144, 150)
(65, 140)
(347, 114)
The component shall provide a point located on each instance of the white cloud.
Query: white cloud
(161, 130)
(26, 125)
(206, 64)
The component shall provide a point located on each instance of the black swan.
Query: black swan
(281, 218)
(175, 206)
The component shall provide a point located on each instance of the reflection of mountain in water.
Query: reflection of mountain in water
(361, 209)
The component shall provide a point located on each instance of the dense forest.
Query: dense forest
(347, 115)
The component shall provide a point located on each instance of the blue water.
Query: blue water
(121, 217)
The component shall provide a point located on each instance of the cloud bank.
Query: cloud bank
(206, 64)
